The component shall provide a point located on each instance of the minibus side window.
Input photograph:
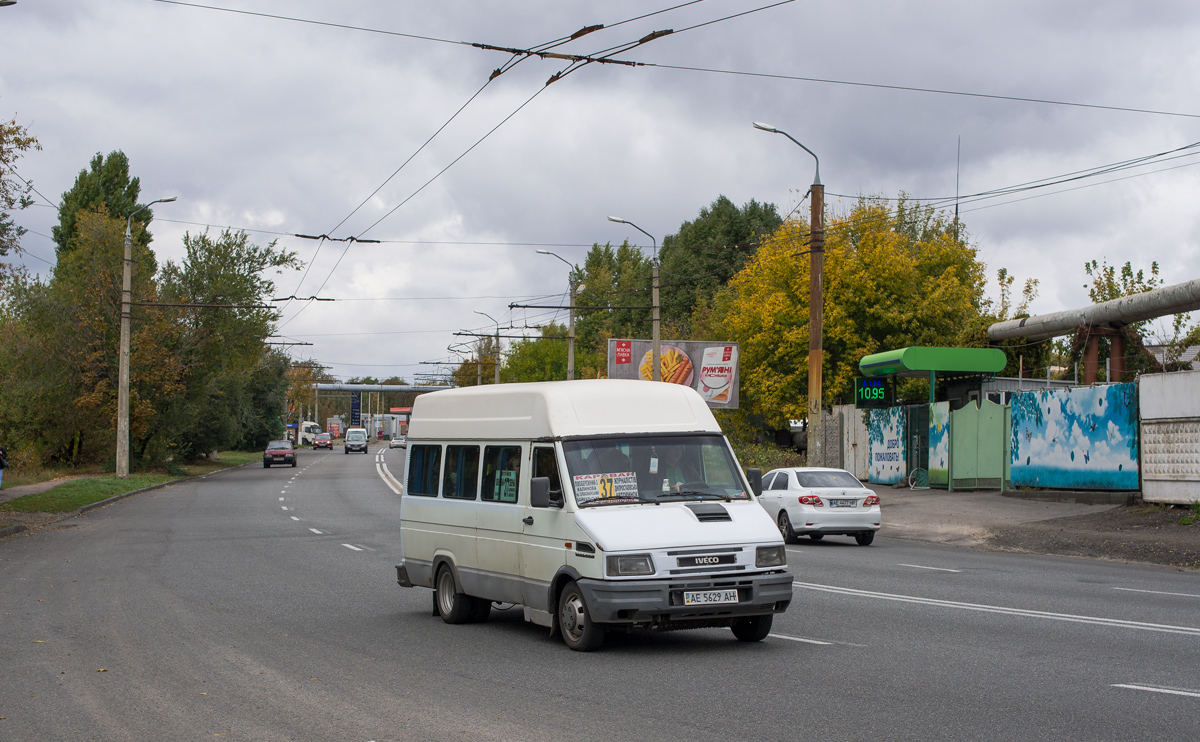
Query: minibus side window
(501, 472)
(423, 470)
(545, 464)
(462, 472)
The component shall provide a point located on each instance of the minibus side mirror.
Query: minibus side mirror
(539, 492)
(755, 477)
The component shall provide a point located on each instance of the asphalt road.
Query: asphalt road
(262, 604)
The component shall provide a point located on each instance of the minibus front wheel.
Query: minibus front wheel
(575, 623)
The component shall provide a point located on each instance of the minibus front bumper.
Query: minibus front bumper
(660, 603)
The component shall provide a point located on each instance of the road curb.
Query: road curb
(13, 530)
(85, 508)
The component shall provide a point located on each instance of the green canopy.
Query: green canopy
(921, 362)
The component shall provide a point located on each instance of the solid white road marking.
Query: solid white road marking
(387, 477)
(1156, 592)
(295, 518)
(348, 546)
(1156, 689)
(938, 569)
(315, 531)
(1118, 623)
(798, 639)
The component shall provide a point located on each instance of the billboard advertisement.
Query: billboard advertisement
(711, 368)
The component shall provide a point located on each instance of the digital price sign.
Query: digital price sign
(869, 393)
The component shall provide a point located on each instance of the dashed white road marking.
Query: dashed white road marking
(284, 507)
(921, 566)
(351, 546)
(295, 518)
(281, 499)
(1023, 612)
(799, 639)
(316, 531)
(1158, 689)
(1156, 592)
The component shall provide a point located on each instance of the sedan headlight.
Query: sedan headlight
(630, 565)
(769, 556)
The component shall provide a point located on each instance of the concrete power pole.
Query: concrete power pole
(816, 324)
(123, 352)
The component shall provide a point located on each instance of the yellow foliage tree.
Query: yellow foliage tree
(896, 274)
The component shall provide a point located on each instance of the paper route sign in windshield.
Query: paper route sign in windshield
(616, 487)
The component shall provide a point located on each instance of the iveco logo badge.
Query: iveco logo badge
(708, 560)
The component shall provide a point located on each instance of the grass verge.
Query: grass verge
(79, 492)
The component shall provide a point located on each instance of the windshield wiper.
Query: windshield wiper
(693, 494)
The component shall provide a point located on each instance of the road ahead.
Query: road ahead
(262, 604)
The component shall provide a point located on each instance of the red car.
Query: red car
(323, 440)
(279, 452)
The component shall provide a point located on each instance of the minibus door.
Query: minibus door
(542, 546)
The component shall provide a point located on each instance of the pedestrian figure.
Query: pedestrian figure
(3, 463)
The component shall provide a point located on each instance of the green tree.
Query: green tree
(106, 183)
(706, 252)
(14, 141)
(537, 359)
(221, 348)
(615, 278)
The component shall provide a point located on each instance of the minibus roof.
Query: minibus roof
(559, 409)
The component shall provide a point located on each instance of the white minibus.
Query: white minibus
(597, 505)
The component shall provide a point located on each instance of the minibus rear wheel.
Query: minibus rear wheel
(455, 607)
(575, 624)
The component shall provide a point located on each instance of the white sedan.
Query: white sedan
(815, 502)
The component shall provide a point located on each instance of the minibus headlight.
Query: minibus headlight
(770, 556)
(630, 565)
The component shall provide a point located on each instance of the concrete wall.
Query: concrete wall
(1170, 436)
(886, 431)
(1081, 438)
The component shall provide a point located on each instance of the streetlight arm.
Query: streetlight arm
(556, 255)
(618, 220)
(767, 127)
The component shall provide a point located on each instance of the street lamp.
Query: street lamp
(485, 314)
(123, 353)
(575, 287)
(816, 305)
(656, 372)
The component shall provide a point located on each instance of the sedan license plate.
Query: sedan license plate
(710, 597)
(842, 503)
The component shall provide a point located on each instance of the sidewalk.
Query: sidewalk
(964, 518)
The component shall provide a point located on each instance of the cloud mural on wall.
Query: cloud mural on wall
(1078, 438)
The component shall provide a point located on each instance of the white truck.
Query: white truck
(308, 431)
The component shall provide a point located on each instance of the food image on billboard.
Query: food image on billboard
(674, 366)
(711, 368)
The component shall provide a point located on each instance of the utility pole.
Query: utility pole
(816, 305)
(575, 287)
(123, 352)
(656, 353)
(493, 319)
(816, 324)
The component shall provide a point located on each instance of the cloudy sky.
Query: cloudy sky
(282, 127)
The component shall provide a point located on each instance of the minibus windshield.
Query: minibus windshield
(619, 471)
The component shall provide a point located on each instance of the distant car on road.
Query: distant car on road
(323, 440)
(818, 502)
(397, 441)
(279, 452)
(356, 440)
